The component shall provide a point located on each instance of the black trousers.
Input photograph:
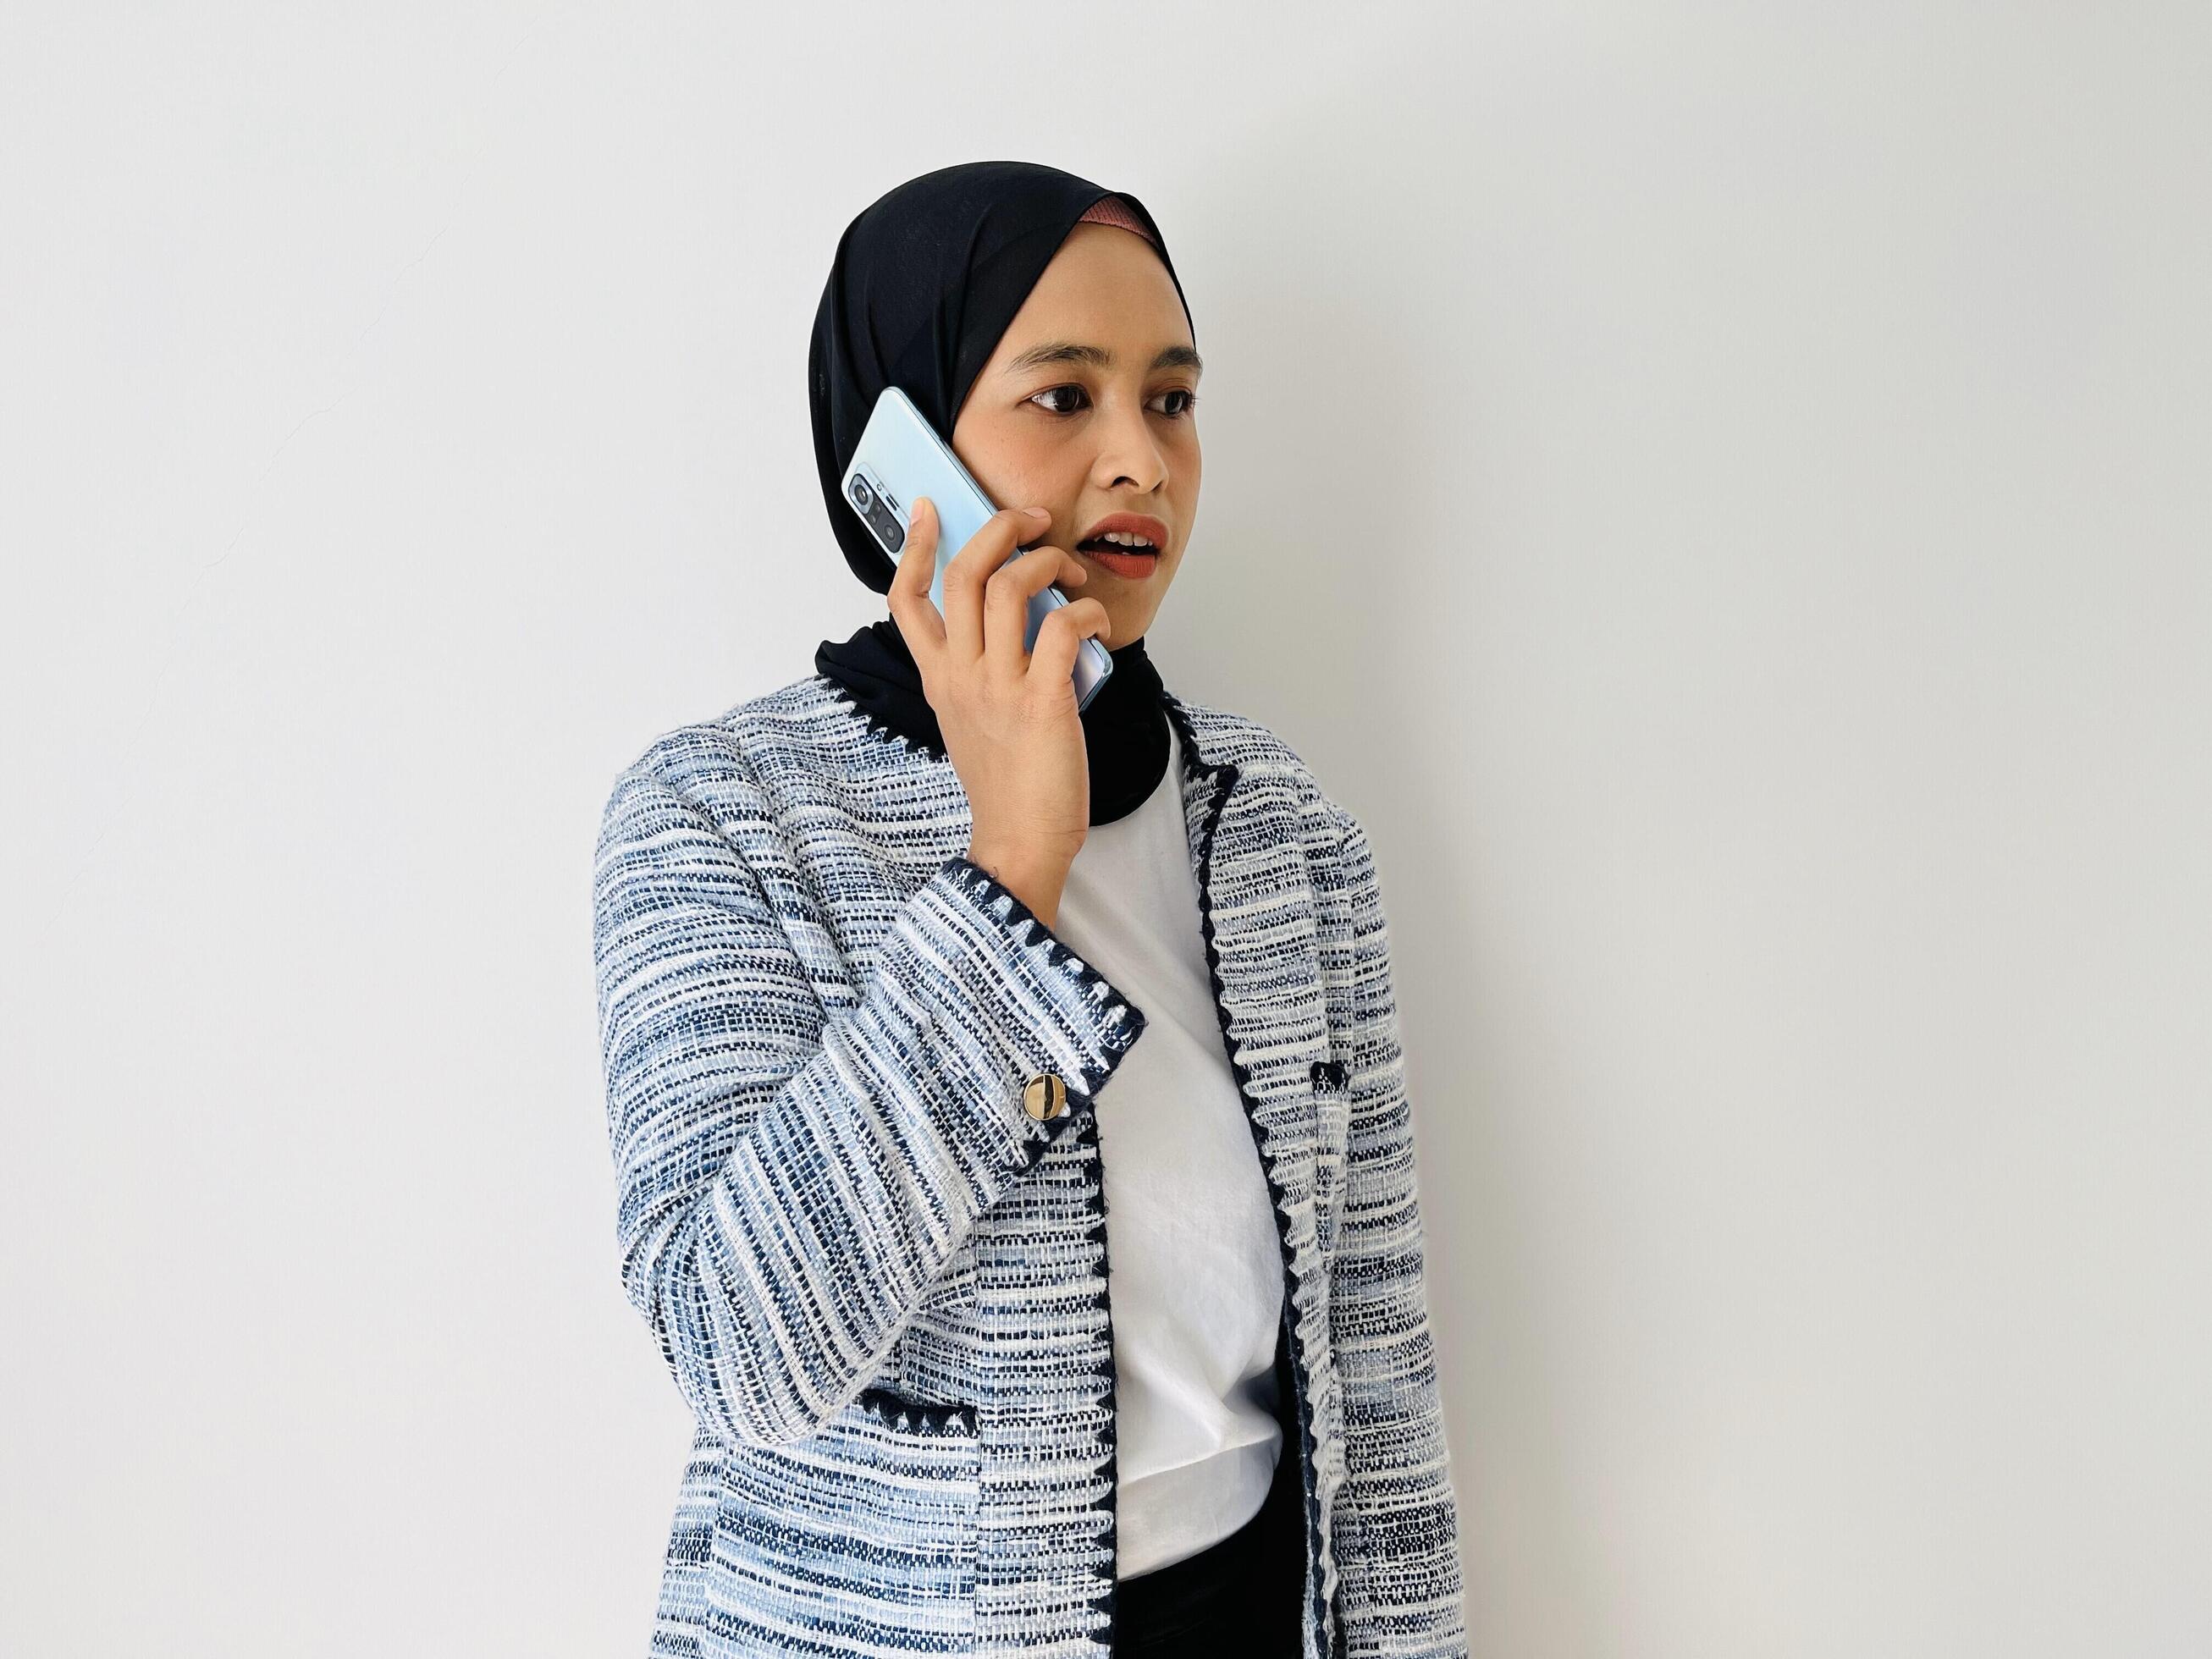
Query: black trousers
(1240, 1598)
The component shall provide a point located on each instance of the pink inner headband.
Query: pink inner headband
(1108, 210)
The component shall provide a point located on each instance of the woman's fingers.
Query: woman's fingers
(1012, 588)
(973, 567)
(919, 624)
(988, 587)
(1061, 635)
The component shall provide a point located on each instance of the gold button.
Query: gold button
(1045, 1096)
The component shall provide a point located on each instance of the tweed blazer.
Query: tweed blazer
(880, 1282)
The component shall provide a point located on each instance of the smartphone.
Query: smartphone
(900, 458)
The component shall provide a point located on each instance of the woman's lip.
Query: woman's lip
(1123, 564)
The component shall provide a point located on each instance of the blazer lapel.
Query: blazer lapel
(1256, 908)
(1257, 913)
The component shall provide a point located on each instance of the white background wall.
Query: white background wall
(1721, 489)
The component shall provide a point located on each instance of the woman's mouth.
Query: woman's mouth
(1125, 544)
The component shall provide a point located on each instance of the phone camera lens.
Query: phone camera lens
(863, 497)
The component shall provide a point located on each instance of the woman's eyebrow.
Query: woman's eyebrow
(1071, 351)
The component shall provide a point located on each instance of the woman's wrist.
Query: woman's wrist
(1037, 883)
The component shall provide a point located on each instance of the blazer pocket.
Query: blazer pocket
(865, 1535)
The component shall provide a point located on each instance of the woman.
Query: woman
(912, 975)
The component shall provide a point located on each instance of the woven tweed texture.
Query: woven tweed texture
(882, 1288)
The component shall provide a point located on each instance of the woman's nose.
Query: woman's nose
(1128, 451)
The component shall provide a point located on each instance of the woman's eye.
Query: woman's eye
(1048, 398)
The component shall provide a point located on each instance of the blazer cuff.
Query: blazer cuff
(1006, 999)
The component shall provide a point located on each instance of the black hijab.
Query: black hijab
(925, 284)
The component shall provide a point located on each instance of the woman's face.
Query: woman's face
(1085, 410)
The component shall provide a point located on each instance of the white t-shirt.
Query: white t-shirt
(1195, 1267)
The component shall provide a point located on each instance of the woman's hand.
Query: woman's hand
(1011, 727)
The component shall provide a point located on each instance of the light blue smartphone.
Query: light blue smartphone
(900, 458)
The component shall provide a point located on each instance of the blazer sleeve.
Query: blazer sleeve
(790, 1185)
(1397, 1527)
